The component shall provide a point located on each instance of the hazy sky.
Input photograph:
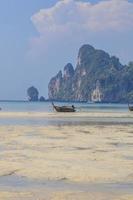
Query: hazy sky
(38, 37)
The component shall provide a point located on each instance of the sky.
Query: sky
(39, 37)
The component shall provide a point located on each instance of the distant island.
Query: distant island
(33, 94)
(98, 77)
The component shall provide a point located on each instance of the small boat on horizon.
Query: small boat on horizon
(130, 107)
(64, 108)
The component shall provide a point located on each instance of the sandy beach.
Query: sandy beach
(77, 160)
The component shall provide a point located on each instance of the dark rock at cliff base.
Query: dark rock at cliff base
(98, 77)
(42, 99)
(32, 93)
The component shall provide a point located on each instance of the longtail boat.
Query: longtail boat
(130, 107)
(64, 108)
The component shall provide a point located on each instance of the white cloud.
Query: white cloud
(71, 22)
(66, 14)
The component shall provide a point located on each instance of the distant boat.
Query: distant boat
(130, 107)
(64, 108)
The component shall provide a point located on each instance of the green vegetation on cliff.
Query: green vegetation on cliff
(96, 71)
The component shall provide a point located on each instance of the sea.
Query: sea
(45, 110)
(23, 106)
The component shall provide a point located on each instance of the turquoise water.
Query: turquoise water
(47, 107)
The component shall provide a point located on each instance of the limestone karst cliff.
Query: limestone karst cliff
(115, 81)
(32, 93)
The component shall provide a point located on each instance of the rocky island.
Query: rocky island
(33, 94)
(98, 77)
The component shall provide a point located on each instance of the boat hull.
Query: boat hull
(130, 107)
(63, 108)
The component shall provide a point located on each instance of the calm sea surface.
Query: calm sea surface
(46, 110)
(47, 107)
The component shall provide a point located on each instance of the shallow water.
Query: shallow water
(47, 107)
(42, 113)
(22, 183)
(89, 151)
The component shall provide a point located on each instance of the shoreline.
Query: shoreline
(64, 119)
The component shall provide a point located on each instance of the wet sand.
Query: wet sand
(67, 161)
